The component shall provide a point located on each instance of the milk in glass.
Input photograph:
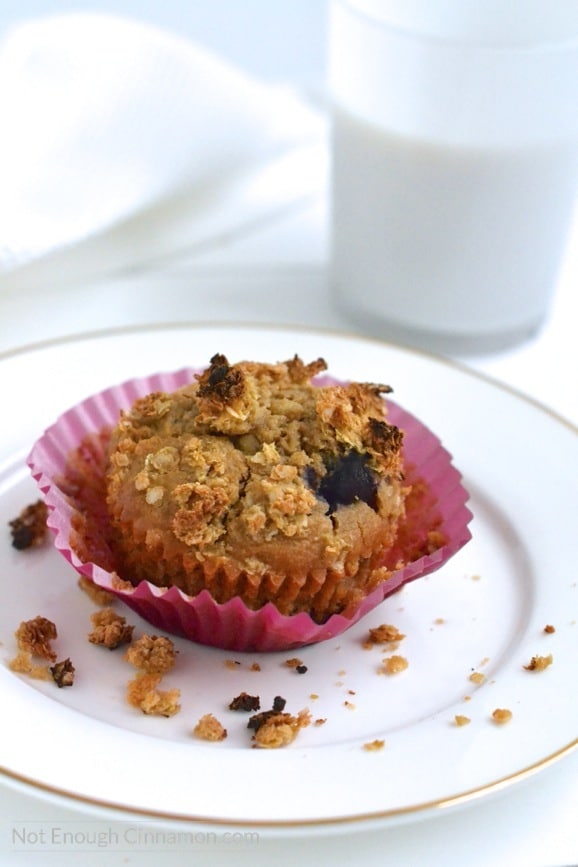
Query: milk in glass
(454, 237)
(455, 165)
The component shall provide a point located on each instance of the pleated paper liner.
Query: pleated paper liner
(68, 462)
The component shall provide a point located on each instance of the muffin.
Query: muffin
(254, 482)
(332, 506)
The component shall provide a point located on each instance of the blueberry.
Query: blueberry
(348, 479)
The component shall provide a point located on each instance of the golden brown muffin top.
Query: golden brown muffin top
(256, 403)
(260, 433)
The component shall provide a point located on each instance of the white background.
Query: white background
(282, 40)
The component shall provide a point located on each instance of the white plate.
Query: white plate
(484, 611)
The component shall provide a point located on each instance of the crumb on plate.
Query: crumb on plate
(539, 663)
(209, 728)
(279, 729)
(36, 635)
(154, 654)
(383, 634)
(260, 718)
(142, 693)
(294, 662)
(501, 715)
(461, 720)
(109, 629)
(23, 663)
(245, 702)
(393, 664)
(29, 529)
(33, 638)
(63, 673)
(374, 746)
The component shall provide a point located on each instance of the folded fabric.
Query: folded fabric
(137, 143)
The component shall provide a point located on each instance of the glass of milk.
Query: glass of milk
(455, 165)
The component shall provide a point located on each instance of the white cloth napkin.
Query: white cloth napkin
(121, 144)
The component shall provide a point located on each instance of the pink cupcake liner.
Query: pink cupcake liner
(232, 625)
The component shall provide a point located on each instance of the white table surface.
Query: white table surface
(278, 276)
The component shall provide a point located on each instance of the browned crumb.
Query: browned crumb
(477, 677)
(259, 719)
(110, 629)
(236, 665)
(209, 728)
(280, 729)
(384, 634)
(374, 746)
(99, 595)
(393, 664)
(320, 722)
(35, 636)
(29, 529)
(501, 715)
(142, 693)
(152, 653)
(22, 663)
(63, 673)
(313, 696)
(245, 702)
(539, 663)
(294, 662)
(220, 383)
(461, 720)
(549, 629)
(350, 705)
(439, 621)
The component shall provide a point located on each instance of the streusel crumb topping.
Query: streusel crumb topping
(257, 435)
